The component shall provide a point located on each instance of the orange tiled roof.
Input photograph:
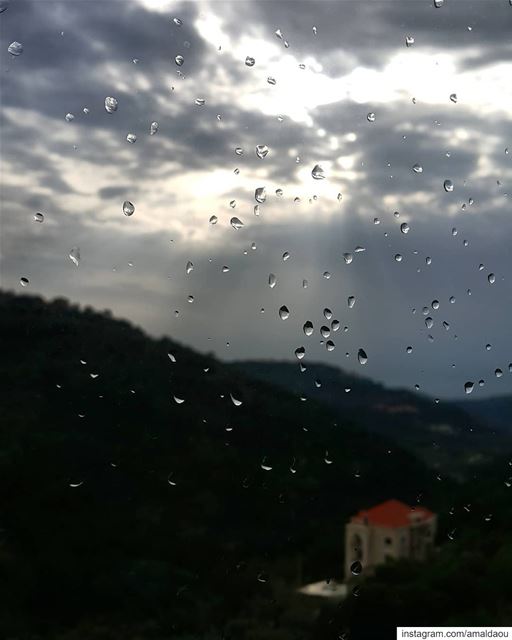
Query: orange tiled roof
(392, 513)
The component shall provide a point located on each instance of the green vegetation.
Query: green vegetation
(124, 514)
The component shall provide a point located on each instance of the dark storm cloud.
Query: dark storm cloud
(382, 27)
(57, 74)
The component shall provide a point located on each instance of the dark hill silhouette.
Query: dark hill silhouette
(443, 434)
(119, 502)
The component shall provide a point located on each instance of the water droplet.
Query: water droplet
(250, 61)
(15, 48)
(266, 467)
(4, 5)
(38, 217)
(325, 331)
(327, 460)
(239, 151)
(213, 220)
(314, 31)
(284, 313)
(409, 41)
(317, 172)
(131, 138)
(438, 3)
(304, 284)
(429, 323)
(24, 282)
(111, 104)
(153, 128)
(398, 257)
(128, 208)
(260, 194)
(362, 357)
(236, 223)
(279, 193)
(235, 401)
(261, 150)
(69, 117)
(300, 352)
(404, 227)
(435, 304)
(417, 168)
(498, 373)
(453, 97)
(189, 268)
(74, 256)
(356, 568)
(308, 328)
(491, 278)
(179, 60)
(351, 301)
(330, 346)
(199, 102)
(348, 257)
(286, 256)
(272, 81)
(469, 386)
(272, 280)
(172, 358)
(178, 400)
(448, 185)
(190, 299)
(370, 117)
(75, 485)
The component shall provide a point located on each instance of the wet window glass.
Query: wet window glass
(255, 306)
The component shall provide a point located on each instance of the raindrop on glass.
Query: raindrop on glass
(300, 352)
(236, 223)
(249, 62)
(131, 138)
(153, 128)
(74, 256)
(468, 387)
(128, 208)
(370, 117)
(317, 172)
(308, 328)
(15, 48)
(110, 104)
(362, 357)
(284, 313)
(448, 185)
(261, 150)
(260, 194)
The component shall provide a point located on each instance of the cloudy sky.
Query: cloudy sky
(443, 104)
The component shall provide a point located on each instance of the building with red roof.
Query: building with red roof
(388, 531)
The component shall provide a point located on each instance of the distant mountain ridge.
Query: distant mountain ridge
(443, 433)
